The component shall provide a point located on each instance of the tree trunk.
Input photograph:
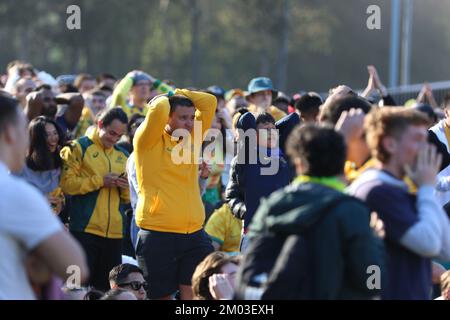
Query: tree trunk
(165, 25)
(283, 51)
(195, 44)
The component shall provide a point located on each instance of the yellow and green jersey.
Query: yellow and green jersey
(94, 209)
(84, 123)
(224, 228)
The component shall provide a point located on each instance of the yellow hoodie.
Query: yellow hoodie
(169, 195)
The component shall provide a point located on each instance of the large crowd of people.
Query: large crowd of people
(133, 188)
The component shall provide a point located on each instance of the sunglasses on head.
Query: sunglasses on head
(135, 285)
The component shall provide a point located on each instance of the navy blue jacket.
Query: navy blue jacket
(248, 183)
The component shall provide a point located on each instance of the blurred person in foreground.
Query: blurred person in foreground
(30, 234)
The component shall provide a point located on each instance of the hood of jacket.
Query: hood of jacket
(303, 205)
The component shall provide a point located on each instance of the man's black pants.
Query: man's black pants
(102, 255)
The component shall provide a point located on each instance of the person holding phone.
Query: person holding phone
(93, 173)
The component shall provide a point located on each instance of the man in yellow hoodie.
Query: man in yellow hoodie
(93, 168)
(260, 95)
(170, 211)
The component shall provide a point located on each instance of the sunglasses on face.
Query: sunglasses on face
(135, 285)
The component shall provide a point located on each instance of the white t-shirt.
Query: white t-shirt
(25, 221)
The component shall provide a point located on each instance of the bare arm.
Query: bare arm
(75, 104)
(34, 105)
(60, 251)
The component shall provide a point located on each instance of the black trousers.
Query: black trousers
(169, 259)
(102, 255)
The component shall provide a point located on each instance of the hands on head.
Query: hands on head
(139, 75)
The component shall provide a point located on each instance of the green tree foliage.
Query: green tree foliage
(227, 42)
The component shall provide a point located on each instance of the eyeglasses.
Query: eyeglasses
(135, 285)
